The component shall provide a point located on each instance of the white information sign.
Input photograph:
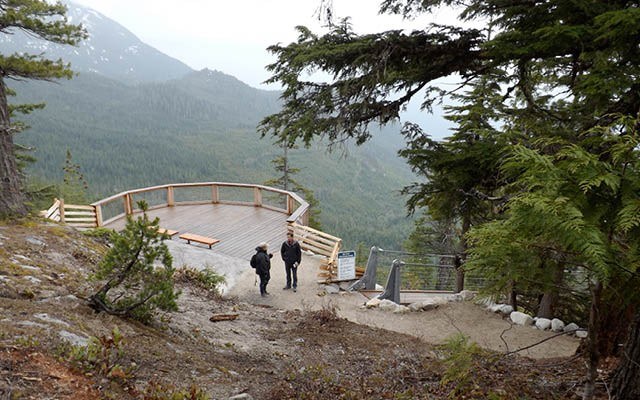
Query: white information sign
(346, 265)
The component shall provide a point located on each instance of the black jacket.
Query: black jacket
(263, 261)
(291, 253)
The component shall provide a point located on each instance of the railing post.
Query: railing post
(61, 210)
(98, 211)
(170, 197)
(128, 206)
(257, 197)
(215, 194)
(290, 205)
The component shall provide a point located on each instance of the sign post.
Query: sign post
(346, 265)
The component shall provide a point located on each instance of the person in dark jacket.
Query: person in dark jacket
(291, 255)
(263, 266)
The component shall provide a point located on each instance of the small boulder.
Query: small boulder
(332, 289)
(571, 328)
(582, 334)
(387, 305)
(520, 318)
(506, 309)
(375, 302)
(467, 295)
(557, 325)
(430, 304)
(242, 396)
(543, 324)
(400, 309)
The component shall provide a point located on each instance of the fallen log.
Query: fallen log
(223, 317)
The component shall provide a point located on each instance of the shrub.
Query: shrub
(102, 356)
(137, 272)
(206, 279)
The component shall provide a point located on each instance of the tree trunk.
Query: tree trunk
(457, 263)
(466, 225)
(12, 199)
(625, 384)
(592, 342)
(513, 295)
(549, 301)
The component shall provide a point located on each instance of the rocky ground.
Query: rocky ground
(289, 345)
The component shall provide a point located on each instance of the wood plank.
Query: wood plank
(77, 219)
(191, 237)
(86, 213)
(78, 207)
(239, 228)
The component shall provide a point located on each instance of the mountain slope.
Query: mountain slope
(125, 137)
(110, 50)
(199, 126)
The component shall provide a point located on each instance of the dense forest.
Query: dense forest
(202, 128)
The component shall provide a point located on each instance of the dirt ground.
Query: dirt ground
(487, 329)
(306, 345)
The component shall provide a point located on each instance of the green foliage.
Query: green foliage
(130, 143)
(27, 341)
(47, 21)
(461, 360)
(206, 279)
(162, 391)
(102, 356)
(434, 237)
(286, 181)
(74, 186)
(135, 285)
(101, 233)
(375, 75)
(554, 88)
(574, 210)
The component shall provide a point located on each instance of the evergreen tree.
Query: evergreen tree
(134, 285)
(74, 186)
(286, 181)
(461, 172)
(571, 76)
(45, 21)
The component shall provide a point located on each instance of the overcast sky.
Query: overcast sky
(232, 35)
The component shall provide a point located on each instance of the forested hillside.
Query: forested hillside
(202, 128)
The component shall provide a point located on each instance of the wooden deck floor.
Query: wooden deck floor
(239, 228)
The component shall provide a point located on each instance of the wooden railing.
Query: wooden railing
(123, 204)
(78, 216)
(321, 243)
(106, 211)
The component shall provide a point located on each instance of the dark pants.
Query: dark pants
(264, 280)
(291, 271)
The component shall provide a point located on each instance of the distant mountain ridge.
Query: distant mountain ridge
(179, 125)
(110, 50)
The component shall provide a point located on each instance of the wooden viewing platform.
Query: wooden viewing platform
(239, 215)
(239, 228)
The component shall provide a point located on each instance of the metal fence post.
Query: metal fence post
(368, 279)
(392, 288)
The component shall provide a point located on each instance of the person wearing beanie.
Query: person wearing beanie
(262, 262)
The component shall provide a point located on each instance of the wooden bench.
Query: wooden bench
(191, 237)
(169, 232)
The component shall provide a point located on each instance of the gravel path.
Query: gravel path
(483, 327)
